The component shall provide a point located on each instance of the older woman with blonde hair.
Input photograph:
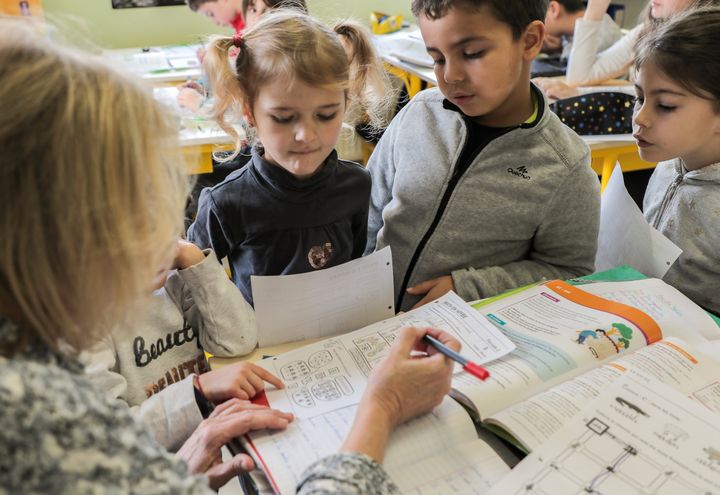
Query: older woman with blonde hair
(91, 199)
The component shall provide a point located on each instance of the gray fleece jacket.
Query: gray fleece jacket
(527, 208)
(685, 206)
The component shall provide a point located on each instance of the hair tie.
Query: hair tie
(237, 40)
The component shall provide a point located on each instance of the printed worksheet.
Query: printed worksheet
(323, 303)
(639, 437)
(332, 374)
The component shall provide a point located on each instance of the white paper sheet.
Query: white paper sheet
(332, 374)
(325, 302)
(625, 237)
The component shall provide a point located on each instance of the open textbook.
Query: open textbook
(569, 346)
(638, 437)
(323, 385)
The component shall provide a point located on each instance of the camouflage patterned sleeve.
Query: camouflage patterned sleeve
(350, 474)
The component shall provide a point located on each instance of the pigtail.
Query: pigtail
(370, 94)
(226, 87)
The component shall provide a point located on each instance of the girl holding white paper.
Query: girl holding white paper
(295, 207)
(677, 122)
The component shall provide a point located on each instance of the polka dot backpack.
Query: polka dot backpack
(596, 113)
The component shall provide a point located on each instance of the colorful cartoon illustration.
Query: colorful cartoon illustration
(604, 343)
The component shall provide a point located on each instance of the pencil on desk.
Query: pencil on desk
(473, 368)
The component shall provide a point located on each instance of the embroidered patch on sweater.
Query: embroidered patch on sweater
(319, 256)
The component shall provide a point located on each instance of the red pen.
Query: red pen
(473, 368)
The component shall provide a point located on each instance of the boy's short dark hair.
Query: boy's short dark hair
(572, 6)
(195, 4)
(515, 13)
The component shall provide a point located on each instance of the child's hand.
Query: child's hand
(241, 380)
(555, 88)
(200, 54)
(551, 44)
(188, 254)
(432, 289)
(596, 9)
(190, 98)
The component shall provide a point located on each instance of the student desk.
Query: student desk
(199, 136)
(415, 76)
(167, 65)
(607, 150)
(198, 147)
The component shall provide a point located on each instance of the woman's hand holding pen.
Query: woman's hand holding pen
(400, 388)
(405, 386)
(229, 420)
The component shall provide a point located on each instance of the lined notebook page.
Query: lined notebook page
(289, 453)
(468, 468)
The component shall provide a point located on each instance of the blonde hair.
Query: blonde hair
(295, 46)
(91, 189)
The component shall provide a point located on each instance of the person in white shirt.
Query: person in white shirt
(560, 22)
(589, 66)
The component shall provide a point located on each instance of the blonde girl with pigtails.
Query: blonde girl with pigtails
(295, 207)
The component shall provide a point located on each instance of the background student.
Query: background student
(677, 122)
(221, 12)
(192, 94)
(295, 207)
(560, 26)
(82, 251)
(156, 364)
(477, 186)
(252, 10)
(588, 66)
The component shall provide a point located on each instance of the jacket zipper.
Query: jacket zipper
(441, 209)
(669, 195)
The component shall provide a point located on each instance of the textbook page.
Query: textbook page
(560, 331)
(625, 237)
(332, 374)
(424, 452)
(670, 361)
(324, 302)
(639, 437)
(662, 302)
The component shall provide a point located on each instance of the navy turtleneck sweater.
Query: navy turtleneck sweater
(268, 222)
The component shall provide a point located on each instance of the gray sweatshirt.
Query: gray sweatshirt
(685, 207)
(150, 364)
(526, 209)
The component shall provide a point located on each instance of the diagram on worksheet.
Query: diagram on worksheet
(321, 378)
(600, 461)
(332, 374)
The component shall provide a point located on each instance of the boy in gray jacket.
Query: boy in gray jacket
(477, 186)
